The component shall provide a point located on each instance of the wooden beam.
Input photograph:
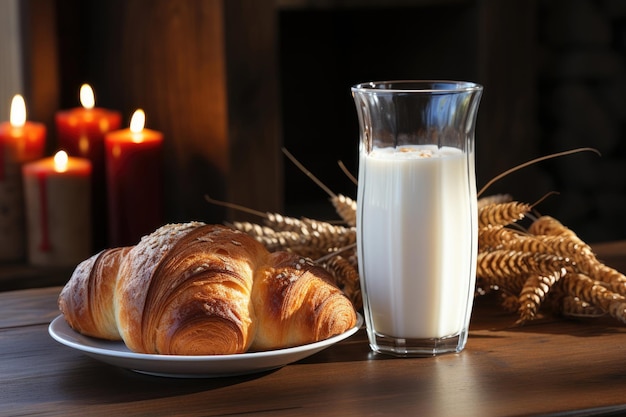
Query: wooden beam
(507, 124)
(255, 176)
(205, 74)
(40, 63)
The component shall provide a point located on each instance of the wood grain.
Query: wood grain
(565, 367)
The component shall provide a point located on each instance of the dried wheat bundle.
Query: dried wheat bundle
(547, 263)
(545, 266)
(331, 245)
(501, 214)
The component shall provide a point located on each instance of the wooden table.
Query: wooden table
(551, 367)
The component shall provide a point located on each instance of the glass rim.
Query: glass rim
(416, 86)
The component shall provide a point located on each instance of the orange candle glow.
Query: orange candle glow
(58, 209)
(133, 167)
(20, 141)
(81, 132)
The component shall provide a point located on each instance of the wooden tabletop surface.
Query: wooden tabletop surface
(549, 367)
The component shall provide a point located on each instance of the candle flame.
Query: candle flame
(60, 161)
(87, 98)
(137, 122)
(18, 111)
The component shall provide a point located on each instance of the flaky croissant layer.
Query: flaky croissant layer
(198, 289)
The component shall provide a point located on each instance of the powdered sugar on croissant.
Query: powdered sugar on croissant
(197, 289)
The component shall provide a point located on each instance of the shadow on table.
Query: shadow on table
(489, 319)
(103, 383)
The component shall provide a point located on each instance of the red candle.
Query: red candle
(57, 192)
(133, 168)
(81, 132)
(20, 141)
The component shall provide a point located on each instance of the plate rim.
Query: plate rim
(58, 326)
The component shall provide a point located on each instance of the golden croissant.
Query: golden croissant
(197, 289)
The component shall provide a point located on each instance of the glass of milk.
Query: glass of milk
(416, 213)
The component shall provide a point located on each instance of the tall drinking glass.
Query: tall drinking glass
(416, 213)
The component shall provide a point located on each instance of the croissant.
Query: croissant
(198, 289)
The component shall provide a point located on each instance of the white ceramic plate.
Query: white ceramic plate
(117, 354)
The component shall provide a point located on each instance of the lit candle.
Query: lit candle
(57, 192)
(20, 141)
(80, 132)
(133, 167)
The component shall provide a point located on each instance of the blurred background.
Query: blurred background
(231, 82)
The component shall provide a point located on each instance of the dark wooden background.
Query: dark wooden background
(230, 82)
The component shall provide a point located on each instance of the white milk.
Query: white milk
(415, 244)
